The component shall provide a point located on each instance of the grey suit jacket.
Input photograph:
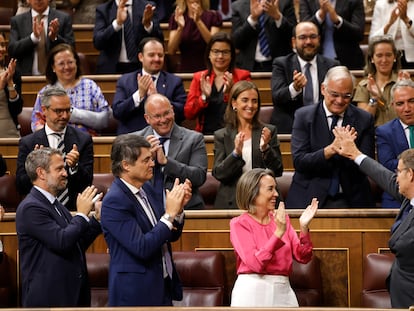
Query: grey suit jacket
(187, 158)
(245, 36)
(401, 279)
(282, 77)
(228, 169)
(22, 47)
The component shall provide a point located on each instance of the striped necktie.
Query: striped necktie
(63, 197)
(130, 45)
(263, 41)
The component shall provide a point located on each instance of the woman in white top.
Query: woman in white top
(395, 18)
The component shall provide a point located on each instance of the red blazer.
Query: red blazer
(194, 105)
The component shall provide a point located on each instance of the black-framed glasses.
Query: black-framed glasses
(334, 94)
(59, 111)
(217, 52)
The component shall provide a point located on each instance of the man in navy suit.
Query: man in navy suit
(184, 152)
(119, 27)
(25, 35)
(288, 76)
(401, 186)
(344, 21)
(52, 243)
(77, 145)
(132, 89)
(139, 228)
(394, 136)
(278, 21)
(319, 172)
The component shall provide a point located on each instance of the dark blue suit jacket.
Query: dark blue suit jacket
(347, 37)
(401, 279)
(108, 41)
(313, 173)
(131, 118)
(391, 141)
(245, 36)
(76, 182)
(21, 46)
(282, 77)
(51, 262)
(136, 270)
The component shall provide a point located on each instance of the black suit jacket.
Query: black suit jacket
(52, 253)
(245, 36)
(282, 77)
(347, 37)
(76, 182)
(108, 41)
(313, 173)
(401, 279)
(22, 47)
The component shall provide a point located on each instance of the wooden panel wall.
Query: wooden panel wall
(341, 239)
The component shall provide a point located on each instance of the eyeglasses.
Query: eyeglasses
(346, 96)
(61, 111)
(397, 171)
(305, 37)
(217, 52)
(158, 117)
(69, 63)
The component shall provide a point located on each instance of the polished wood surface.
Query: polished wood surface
(341, 239)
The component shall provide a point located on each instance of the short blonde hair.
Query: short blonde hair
(248, 188)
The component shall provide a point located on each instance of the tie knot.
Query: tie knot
(154, 78)
(141, 193)
(163, 140)
(307, 66)
(411, 127)
(40, 17)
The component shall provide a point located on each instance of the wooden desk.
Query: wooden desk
(341, 239)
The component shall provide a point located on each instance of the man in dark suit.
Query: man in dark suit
(52, 243)
(183, 154)
(401, 186)
(139, 228)
(341, 24)
(77, 146)
(119, 27)
(396, 135)
(26, 34)
(132, 89)
(278, 19)
(289, 76)
(319, 172)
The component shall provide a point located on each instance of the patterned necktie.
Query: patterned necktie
(41, 48)
(63, 197)
(263, 41)
(308, 94)
(411, 129)
(130, 46)
(334, 186)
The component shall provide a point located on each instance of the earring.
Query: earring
(234, 109)
(395, 60)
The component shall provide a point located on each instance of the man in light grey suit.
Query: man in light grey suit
(401, 186)
(26, 33)
(178, 152)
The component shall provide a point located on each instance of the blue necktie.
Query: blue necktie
(328, 40)
(263, 42)
(130, 46)
(308, 94)
(400, 219)
(334, 186)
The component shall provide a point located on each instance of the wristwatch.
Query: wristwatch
(203, 97)
(372, 102)
(168, 217)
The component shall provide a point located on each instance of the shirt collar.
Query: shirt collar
(45, 13)
(49, 131)
(328, 113)
(303, 62)
(47, 194)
